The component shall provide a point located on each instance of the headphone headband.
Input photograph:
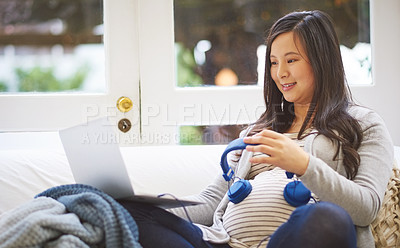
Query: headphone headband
(237, 144)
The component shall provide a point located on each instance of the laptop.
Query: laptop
(95, 159)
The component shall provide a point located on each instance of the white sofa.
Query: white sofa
(33, 162)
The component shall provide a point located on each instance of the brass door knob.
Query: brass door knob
(124, 104)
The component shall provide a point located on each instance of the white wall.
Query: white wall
(384, 95)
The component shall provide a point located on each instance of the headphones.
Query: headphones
(295, 193)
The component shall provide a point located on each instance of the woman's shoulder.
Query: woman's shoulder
(372, 125)
(359, 110)
(365, 116)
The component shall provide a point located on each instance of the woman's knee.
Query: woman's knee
(316, 225)
(329, 223)
(326, 213)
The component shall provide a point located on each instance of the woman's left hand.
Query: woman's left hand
(283, 152)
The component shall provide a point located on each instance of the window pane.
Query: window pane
(221, 42)
(51, 46)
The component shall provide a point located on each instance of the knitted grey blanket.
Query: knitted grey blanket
(69, 216)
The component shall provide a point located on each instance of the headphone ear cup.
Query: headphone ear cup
(296, 194)
(239, 190)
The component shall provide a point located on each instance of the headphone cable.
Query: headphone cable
(180, 202)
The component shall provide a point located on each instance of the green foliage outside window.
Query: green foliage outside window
(191, 135)
(3, 86)
(186, 66)
(44, 80)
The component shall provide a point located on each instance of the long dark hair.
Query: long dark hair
(328, 111)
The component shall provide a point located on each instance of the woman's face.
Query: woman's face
(291, 69)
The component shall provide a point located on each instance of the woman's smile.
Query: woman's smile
(287, 87)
